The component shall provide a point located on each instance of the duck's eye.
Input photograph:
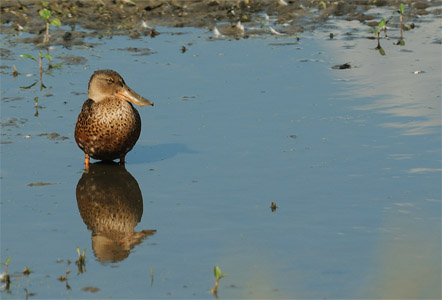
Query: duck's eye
(110, 81)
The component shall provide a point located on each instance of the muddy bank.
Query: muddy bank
(139, 17)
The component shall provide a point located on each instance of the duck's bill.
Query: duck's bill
(129, 95)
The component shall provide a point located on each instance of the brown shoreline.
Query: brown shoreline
(125, 17)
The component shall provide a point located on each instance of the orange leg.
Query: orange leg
(122, 160)
(86, 161)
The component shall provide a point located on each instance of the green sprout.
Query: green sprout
(401, 12)
(81, 261)
(40, 59)
(403, 26)
(46, 15)
(382, 25)
(218, 275)
(6, 278)
(40, 64)
(151, 276)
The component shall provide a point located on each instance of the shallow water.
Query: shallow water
(351, 158)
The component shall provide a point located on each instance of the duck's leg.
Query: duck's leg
(86, 161)
(122, 160)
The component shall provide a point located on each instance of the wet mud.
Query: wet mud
(140, 18)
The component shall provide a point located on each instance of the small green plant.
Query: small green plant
(40, 59)
(46, 15)
(81, 261)
(40, 64)
(6, 278)
(218, 275)
(403, 26)
(151, 276)
(401, 12)
(381, 26)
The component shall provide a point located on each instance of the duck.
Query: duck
(108, 125)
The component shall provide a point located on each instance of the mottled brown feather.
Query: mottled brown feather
(107, 129)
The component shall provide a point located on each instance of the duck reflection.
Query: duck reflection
(111, 205)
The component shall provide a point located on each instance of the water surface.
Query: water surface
(350, 157)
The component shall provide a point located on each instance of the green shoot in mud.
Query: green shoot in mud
(218, 275)
(46, 15)
(401, 12)
(151, 276)
(381, 26)
(81, 261)
(403, 26)
(5, 277)
(40, 64)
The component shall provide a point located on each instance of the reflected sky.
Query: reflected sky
(403, 82)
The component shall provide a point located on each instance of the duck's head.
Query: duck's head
(108, 83)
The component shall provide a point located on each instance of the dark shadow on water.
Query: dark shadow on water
(150, 154)
(111, 205)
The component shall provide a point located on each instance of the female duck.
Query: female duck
(108, 126)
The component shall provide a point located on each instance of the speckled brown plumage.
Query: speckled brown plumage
(108, 126)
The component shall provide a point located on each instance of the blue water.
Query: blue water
(351, 158)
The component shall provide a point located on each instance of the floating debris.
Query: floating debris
(153, 33)
(27, 271)
(54, 136)
(273, 31)
(40, 183)
(216, 33)
(418, 72)
(273, 206)
(15, 72)
(343, 66)
(240, 27)
(65, 278)
(90, 289)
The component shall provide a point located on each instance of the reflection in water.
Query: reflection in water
(111, 205)
(406, 85)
